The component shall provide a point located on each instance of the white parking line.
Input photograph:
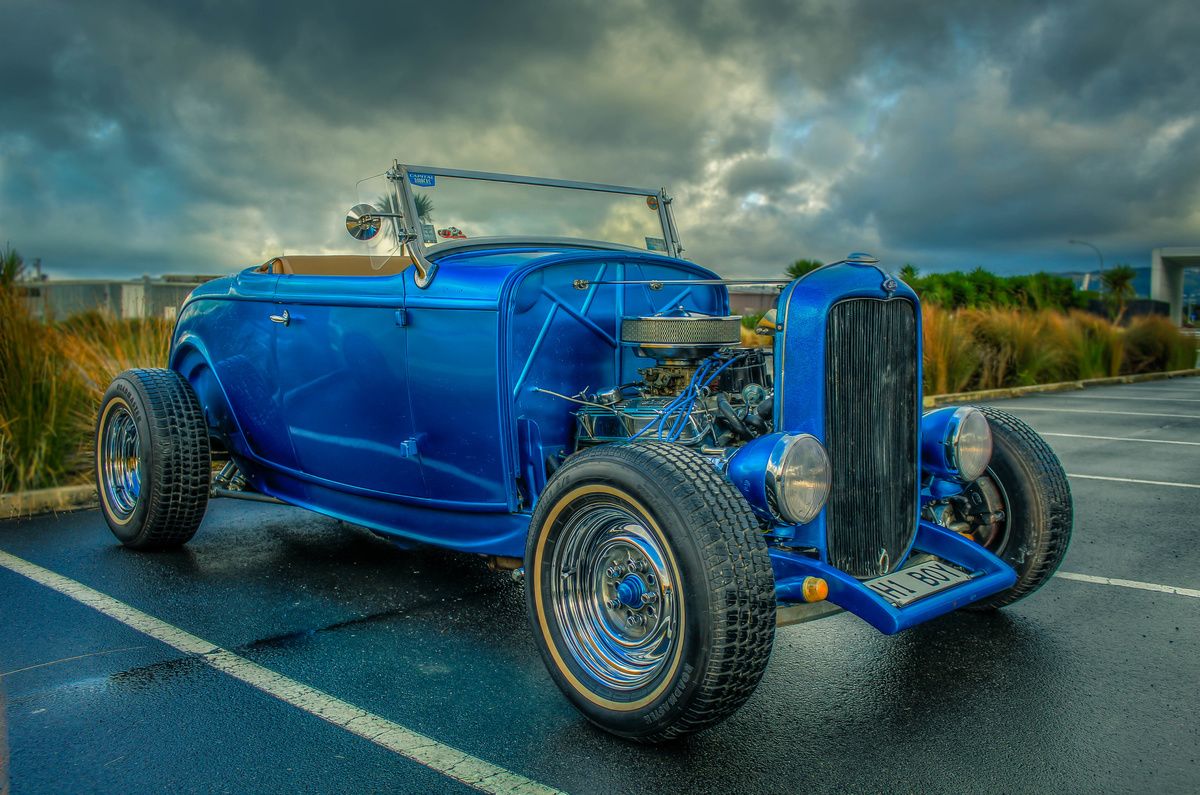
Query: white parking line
(1144, 586)
(1127, 397)
(444, 759)
(1168, 386)
(1181, 390)
(1118, 438)
(1134, 480)
(1021, 407)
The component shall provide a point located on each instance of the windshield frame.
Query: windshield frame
(408, 231)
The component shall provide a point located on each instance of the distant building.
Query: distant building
(745, 300)
(1167, 267)
(59, 299)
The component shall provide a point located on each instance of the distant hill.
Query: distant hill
(1141, 283)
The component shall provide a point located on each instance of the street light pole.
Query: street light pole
(1093, 248)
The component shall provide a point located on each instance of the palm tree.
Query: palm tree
(909, 274)
(803, 266)
(423, 201)
(1118, 283)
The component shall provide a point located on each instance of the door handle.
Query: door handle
(285, 318)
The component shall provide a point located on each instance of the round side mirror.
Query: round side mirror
(363, 222)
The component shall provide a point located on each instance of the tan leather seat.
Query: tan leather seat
(337, 265)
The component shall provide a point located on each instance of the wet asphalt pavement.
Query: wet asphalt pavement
(1081, 687)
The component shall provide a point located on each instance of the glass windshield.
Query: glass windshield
(456, 209)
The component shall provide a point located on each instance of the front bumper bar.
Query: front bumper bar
(989, 575)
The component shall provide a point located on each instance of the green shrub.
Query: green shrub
(981, 289)
(750, 320)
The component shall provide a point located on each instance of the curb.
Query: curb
(933, 401)
(29, 503)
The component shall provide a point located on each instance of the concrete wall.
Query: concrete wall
(58, 300)
(745, 302)
(1166, 275)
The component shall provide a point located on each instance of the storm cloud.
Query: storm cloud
(201, 137)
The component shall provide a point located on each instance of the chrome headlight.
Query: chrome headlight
(969, 443)
(956, 443)
(797, 478)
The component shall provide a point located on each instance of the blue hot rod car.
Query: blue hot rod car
(527, 370)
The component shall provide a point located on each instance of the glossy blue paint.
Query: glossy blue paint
(562, 339)
(342, 372)
(991, 575)
(747, 471)
(418, 428)
(427, 412)
(936, 431)
(224, 344)
(801, 312)
(631, 590)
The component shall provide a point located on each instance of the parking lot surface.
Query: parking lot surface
(332, 634)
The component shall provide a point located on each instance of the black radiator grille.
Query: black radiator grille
(871, 421)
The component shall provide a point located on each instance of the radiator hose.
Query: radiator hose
(732, 420)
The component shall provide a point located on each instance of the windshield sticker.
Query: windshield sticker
(652, 202)
(451, 233)
(422, 180)
(427, 234)
(656, 244)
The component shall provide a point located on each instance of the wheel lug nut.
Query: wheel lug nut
(613, 603)
(649, 597)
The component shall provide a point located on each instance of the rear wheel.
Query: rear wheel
(650, 590)
(1020, 509)
(153, 464)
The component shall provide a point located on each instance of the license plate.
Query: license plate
(916, 582)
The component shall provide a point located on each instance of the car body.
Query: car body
(431, 394)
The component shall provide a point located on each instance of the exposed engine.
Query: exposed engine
(702, 390)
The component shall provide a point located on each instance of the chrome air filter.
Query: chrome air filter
(680, 339)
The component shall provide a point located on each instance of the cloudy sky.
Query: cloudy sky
(201, 136)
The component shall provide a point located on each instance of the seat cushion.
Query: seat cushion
(339, 265)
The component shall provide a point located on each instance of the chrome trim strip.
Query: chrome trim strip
(490, 176)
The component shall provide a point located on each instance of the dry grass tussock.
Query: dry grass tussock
(52, 376)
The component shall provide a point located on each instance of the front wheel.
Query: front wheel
(153, 465)
(650, 590)
(1021, 508)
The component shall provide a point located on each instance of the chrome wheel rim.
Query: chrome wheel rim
(121, 462)
(615, 597)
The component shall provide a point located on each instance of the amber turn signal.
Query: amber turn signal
(815, 589)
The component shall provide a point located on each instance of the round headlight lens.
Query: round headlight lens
(798, 478)
(970, 443)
